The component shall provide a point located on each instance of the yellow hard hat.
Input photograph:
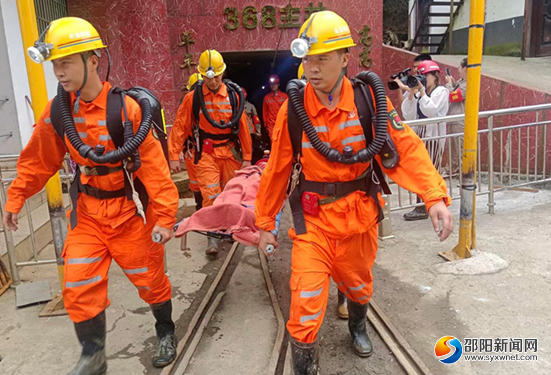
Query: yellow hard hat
(300, 71)
(63, 37)
(193, 80)
(323, 32)
(211, 63)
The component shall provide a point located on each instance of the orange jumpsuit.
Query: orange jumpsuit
(106, 229)
(341, 241)
(189, 157)
(270, 108)
(216, 169)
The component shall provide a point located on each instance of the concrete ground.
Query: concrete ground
(425, 297)
(425, 302)
(534, 72)
(31, 345)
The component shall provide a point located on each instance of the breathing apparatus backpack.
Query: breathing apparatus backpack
(372, 121)
(237, 102)
(122, 133)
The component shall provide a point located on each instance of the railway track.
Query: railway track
(405, 355)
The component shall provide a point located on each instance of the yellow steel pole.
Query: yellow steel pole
(467, 230)
(37, 83)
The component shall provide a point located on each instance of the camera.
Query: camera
(407, 79)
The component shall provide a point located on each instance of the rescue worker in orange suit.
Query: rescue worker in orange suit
(339, 235)
(272, 102)
(218, 158)
(189, 151)
(106, 226)
(342, 305)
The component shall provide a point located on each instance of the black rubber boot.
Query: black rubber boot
(167, 342)
(342, 308)
(213, 247)
(418, 213)
(358, 330)
(198, 200)
(91, 334)
(305, 358)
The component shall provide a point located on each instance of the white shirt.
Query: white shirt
(435, 105)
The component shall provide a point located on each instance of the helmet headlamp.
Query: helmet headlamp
(40, 51)
(301, 45)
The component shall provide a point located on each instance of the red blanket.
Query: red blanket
(233, 209)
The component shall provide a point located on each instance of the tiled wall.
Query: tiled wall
(143, 35)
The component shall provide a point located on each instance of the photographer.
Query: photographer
(416, 62)
(458, 93)
(426, 102)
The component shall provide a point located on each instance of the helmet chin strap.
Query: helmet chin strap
(330, 93)
(85, 60)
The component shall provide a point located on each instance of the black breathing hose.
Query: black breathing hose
(236, 117)
(86, 151)
(379, 122)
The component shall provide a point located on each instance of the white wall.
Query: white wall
(496, 10)
(20, 82)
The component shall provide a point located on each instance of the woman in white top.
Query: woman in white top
(427, 102)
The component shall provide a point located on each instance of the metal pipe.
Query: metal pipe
(8, 236)
(450, 164)
(544, 149)
(527, 154)
(491, 202)
(39, 97)
(36, 263)
(484, 114)
(468, 186)
(31, 230)
(536, 150)
(518, 165)
(500, 151)
(479, 159)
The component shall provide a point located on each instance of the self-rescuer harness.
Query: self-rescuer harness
(203, 140)
(374, 123)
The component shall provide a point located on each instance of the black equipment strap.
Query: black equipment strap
(231, 137)
(373, 183)
(295, 128)
(78, 187)
(113, 118)
(55, 118)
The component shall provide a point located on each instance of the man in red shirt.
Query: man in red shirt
(272, 102)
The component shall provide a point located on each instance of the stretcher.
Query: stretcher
(231, 217)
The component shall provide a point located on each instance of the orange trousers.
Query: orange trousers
(317, 257)
(191, 171)
(88, 252)
(213, 173)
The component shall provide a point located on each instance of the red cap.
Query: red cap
(273, 79)
(428, 66)
(244, 91)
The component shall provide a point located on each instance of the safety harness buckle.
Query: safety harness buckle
(330, 189)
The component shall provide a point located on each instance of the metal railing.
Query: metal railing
(66, 176)
(521, 158)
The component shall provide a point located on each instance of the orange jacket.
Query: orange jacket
(219, 107)
(339, 127)
(43, 157)
(270, 108)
